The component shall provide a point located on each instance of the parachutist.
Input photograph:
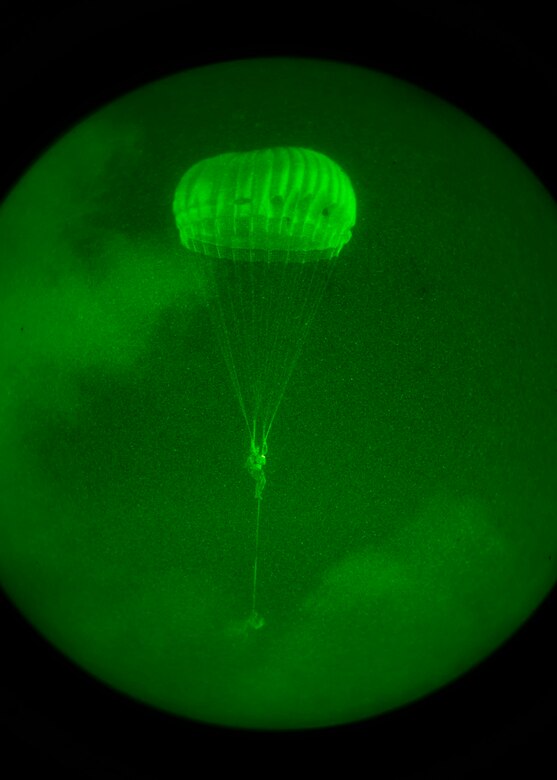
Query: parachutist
(262, 230)
(254, 464)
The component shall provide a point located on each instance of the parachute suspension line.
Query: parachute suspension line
(281, 313)
(204, 275)
(254, 348)
(223, 336)
(309, 305)
(240, 326)
(270, 323)
(283, 279)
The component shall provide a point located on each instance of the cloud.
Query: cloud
(85, 276)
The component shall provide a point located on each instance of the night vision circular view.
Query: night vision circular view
(278, 418)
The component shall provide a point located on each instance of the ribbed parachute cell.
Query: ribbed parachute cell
(262, 229)
(283, 204)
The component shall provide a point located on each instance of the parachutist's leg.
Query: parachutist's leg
(260, 485)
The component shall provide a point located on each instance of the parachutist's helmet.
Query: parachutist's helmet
(284, 204)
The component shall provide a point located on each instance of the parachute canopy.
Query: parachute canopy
(281, 204)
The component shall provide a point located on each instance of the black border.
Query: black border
(60, 63)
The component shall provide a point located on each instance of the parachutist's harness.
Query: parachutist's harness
(255, 464)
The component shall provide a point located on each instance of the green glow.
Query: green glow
(269, 204)
(271, 207)
(275, 208)
(290, 211)
(408, 520)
